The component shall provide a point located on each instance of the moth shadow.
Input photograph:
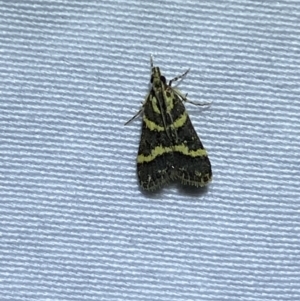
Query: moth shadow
(155, 195)
(192, 190)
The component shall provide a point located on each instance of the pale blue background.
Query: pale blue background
(74, 223)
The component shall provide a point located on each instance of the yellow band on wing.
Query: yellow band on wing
(160, 150)
(179, 122)
(152, 126)
(157, 151)
(181, 148)
(154, 105)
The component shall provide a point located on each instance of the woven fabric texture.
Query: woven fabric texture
(74, 223)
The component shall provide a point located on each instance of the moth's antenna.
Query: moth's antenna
(151, 60)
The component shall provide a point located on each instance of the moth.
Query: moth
(170, 148)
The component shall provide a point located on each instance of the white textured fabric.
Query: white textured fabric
(74, 223)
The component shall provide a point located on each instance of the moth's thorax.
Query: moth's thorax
(162, 100)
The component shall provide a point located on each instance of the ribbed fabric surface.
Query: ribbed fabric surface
(74, 223)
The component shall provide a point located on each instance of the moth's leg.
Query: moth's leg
(184, 98)
(136, 115)
(175, 79)
(140, 111)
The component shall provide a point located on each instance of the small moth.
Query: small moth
(169, 148)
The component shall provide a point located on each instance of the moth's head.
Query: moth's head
(156, 77)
